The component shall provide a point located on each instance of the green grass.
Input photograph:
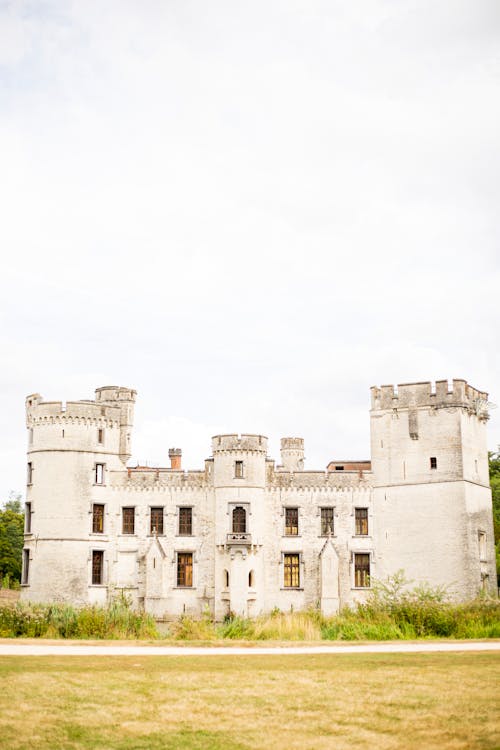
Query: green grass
(309, 702)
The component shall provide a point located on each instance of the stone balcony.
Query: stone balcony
(238, 539)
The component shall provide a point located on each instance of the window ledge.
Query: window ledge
(99, 484)
(152, 536)
(291, 536)
(361, 588)
(325, 536)
(98, 585)
(184, 588)
(188, 536)
(25, 585)
(361, 536)
(292, 588)
(127, 536)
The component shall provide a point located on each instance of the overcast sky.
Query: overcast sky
(250, 212)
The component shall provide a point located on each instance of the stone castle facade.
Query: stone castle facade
(244, 535)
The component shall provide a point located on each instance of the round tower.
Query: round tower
(239, 476)
(73, 450)
(292, 453)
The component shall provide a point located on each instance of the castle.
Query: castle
(244, 535)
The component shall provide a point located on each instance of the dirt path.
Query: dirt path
(51, 649)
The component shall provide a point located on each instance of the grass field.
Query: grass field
(238, 703)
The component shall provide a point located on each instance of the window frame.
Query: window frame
(180, 527)
(235, 522)
(25, 575)
(28, 512)
(239, 470)
(364, 576)
(292, 562)
(99, 473)
(100, 436)
(96, 516)
(433, 462)
(186, 571)
(290, 526)
(156, 532)
(128, 508)
(322, 528)
(97, 554)
(29, 473)
(358, 521)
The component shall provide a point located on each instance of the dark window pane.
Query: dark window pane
(326, 521)
(97, 566)
(184, 568)
(128, 520)
(185, 521)
(361, 571)
(291, 521)
(239, 520)
(97, 519)
(156, 525)
(361, 521)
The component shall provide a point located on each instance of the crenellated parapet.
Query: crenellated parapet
(238, 443)
(39, 412)
(319, 479)
(440, 394)
(160, 479)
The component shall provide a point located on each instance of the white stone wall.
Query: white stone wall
(426, 521)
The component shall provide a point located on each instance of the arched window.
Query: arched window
(239, 520)
(251, 579)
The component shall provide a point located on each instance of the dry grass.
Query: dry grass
(241, 703)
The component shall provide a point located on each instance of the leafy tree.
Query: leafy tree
(494, 462)
(11, 539)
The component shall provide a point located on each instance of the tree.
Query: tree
(494, 463)
(11, 539)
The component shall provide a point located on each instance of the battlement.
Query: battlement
(292, 443)
(438, 394)
(114, 393)
(38, 410)
(237, 442)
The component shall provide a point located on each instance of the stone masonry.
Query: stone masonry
(244, 535)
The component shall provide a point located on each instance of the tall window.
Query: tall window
(27, 518)
(361, 571)
(185, 521)
(97, 519)
(326, 521)
(29, 478)
(238, 469)
(99, 474)
(185, 569)
(361, 516)
(239, 520)
(156, 521)
(100, 436)
(128, 520)
(291, 521)
(97, 566)
(291, 570)
(26, 566)
(433, 462)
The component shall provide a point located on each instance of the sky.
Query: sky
(248, 212)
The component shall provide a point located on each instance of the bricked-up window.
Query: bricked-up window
(185, 521)
(291, 570)
(361, 571)
(97, 567)
(291, 521)
(100, 436)
(326, 521)
(97, 518)
(156, 521)
(26, 566)
(27, 518)
(29, 477)
(239, 520)
(361, 516)
(434, 462)
(99, 474)
(128, 520)
(185, 569)
(238, 469)
(482, 545)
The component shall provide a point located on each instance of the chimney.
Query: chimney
(175, 455)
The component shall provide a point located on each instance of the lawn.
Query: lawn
(237, 703)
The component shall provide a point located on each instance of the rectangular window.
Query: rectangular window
(482, 545)
(185, 569)
(434, 462)
(156, 521)
(291, 521)
(99, 474)
(29, 478)
(26, 566)
(185, 521)
(27, 518)
(361, 571)
(326, 521)
(100, 436)
(128, 520)
(97, 519)
(238, 469)
(291, 570)
(361, 515)
(97, 567)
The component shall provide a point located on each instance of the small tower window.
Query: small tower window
(97, 518)
(26, 567)
(100, 436)
(27, 518)
(482, 545)
(99, 474)
(434, 462)
(251, 579)
(29, 478)
(238, 469)
(239, 520)
(30, 435)
(226, 579)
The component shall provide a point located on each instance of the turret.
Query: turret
(124, 399)
(292, 453)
